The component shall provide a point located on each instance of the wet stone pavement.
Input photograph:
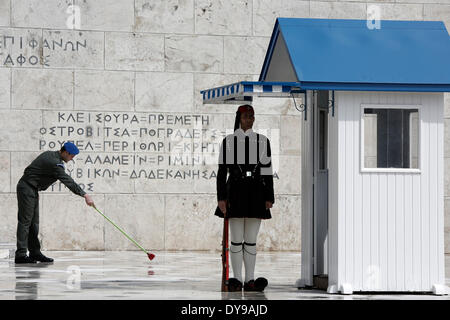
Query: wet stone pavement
(109, 275)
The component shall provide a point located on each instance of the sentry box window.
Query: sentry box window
(390, 138)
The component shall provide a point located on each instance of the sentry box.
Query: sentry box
(372, 147)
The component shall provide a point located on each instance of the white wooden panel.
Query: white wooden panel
(391, 270)
(373, 273)
(390, 224)
(425, 195)
(416, 239)
(440, 196)
(333, 204)
(433, 201)
(341, 191)
(408, 232)
(399, 231)
(383, 240)
(356, 182)
(349, 191)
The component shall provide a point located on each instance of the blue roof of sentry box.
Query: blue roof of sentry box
(335, 54)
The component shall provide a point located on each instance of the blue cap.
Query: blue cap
(71, 148)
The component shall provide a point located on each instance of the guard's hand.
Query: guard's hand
(269, 205)
(89, 200)
(223, 206)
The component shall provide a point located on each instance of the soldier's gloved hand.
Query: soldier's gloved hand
(89, 200)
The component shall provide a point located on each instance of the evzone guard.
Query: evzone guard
(245, 195)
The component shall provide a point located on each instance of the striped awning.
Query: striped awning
(244, 91)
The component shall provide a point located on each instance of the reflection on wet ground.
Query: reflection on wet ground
(171, 275)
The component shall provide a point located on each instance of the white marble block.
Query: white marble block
(244, 55)
(19, 161)
(5, 88)
(21, 48)
(222, 17)
(163, 92)
(447, 177)
(8, 216)
(447, 243)
(134, 51)
(447, 212)
(265, 13)
(67, 223)
(73, 49)
(190, 223)
(283, 231)
(288, 169)
(5, 171)
(283, 106)
(40, 14)
(194, 53)
(421, 1)
(42, 89)
(80, 127)
(204, 185)
(104, 90)
(171, 16)
(140, 216)
(169, 175)
(338, 10)
(20, 130)
(391, 11)
(106, 15)
(103, 172)
(5, 12)
(290, 135)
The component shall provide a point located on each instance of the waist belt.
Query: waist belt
(246, 175)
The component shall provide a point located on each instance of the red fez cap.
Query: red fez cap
(245, 108)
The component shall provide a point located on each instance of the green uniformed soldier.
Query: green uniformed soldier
(39, 175)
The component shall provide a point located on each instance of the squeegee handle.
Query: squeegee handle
(118, 228)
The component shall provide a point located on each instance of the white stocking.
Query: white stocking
(251, 229)
(236, 237)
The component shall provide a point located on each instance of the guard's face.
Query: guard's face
(67, 156)
(247, 119)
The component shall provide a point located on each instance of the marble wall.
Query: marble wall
(122, 80)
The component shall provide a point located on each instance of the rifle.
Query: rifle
(225, 265)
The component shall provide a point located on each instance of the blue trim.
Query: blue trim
(286, 86)
(375, 87)
(247, 87)
(271, 83)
